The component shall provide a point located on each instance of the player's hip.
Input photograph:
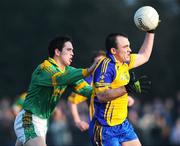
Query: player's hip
(109, 135)
(28, 126)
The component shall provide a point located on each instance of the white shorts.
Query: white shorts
(28, 126)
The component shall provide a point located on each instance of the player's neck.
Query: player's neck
(118, 60)
(59, 63)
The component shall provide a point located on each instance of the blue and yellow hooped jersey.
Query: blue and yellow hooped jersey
(111, 74)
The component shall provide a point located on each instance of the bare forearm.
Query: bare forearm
(147, 46)
(145, 51)
(111, 94)
(82, 125)
(74, 111)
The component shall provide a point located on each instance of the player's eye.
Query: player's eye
(69, 49)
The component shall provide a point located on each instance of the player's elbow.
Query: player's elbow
(101, 97)
(145, 58)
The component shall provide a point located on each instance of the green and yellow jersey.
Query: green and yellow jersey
(111, 74)
(77, 98)
(18, 104)
(48, 83)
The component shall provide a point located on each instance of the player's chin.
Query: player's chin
(127, 59)
(68, 63)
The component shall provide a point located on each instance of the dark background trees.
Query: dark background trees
(27, 26)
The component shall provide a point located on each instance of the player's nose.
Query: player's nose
(72, 53)
(129, 49)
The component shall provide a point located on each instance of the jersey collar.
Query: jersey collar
(51, 60)
(113, 59)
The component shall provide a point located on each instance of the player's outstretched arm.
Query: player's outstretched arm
(92, 67)
(80, 124)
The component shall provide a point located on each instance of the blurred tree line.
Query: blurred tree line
(27, 26)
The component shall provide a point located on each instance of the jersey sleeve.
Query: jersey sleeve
(20, 100)
(45, 77)
(18, 104)
(76, 98)
(69, 76)
(103, 76)
(82, 87)
(89, 79)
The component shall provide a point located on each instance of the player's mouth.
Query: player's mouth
(70, 59)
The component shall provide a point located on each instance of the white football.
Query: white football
(146, 18)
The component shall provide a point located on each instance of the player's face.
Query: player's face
(67, 53)
(123, 50)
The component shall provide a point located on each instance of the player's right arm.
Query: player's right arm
(103, 77)
(70, 76)
(145, 50)
(111, 94)
(47, 75)
(73, 74)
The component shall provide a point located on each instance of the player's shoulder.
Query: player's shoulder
(105, 65)
(45, 64)
(47, 67)
(106, 61)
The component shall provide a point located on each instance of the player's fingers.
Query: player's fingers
(84, 126)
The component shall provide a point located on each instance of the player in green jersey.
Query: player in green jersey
(48, 82)
(18, 104)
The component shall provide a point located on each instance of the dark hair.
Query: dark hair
(57, 43)
(111, 40)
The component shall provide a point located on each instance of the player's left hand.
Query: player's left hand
(82, 125)
(153, 30)
(138, 86)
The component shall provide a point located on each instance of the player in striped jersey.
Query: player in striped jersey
(48, 82)
(75, 99)
(110, 126)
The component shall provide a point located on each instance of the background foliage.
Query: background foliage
(27, 26)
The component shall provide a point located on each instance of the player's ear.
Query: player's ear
(113, 51)
(57, 52)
